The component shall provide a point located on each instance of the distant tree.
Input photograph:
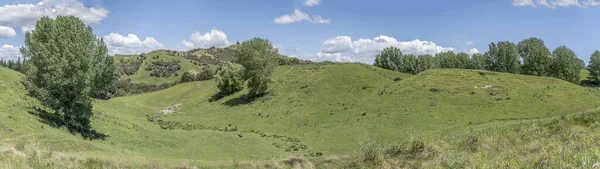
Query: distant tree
(229, 78)
(426, 62)
(536, 57)
(206, 73)
(390, 58)
(594, 67)
(189, 76)
(452, 60)
(60, 68)
(565, 65)
(409, 64)
(479, 61)
(259, 58)
(504, 57)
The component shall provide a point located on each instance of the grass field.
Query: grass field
(312, 110)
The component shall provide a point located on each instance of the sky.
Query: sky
(318, 30)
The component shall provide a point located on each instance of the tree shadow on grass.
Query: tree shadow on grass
(243, 99)
(56, 121)
(217, 97)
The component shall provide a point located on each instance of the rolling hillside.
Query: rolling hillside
(312, 110)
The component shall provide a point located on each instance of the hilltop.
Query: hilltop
(312, 110)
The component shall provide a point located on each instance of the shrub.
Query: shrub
(189, 76)
(229, 78)
(205, 74)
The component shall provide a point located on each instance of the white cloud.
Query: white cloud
(130, 44)
(337, 57)
(555, 3)
(26, 29)
(25, 15)
(312, 2)
(364, 50)
(299, 16)
(472, 51)
(469, 43)
(7, 32)
(215, 37)
(9, 52)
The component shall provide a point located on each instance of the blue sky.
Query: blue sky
(338, 30)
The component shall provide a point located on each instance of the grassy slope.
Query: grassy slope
(321, 105)
(143, 76)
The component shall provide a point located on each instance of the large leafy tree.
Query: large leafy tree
(504, 57)
(390, 58)
(67, 65)
(565, 64)
(259, 58)
(594, 67)
(453, 60)
(536, 57)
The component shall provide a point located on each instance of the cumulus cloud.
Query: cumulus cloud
(364, 50)
(9, 52)
(7, 32)
(299, 16)
(25, 15)
(555, 3)
(337, 57)
(312, 2)
(215, 37)
(472, 51)
(130, 44)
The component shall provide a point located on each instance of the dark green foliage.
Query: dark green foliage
(453, 60)
(163, 68)
(64, 59)
(409, 64)
(390, 58)
(103, 73)
(206, 73)
(536, 57)
(504, 57)
(129, 66)
(426, 62)
(258, 57)
(125, 87)
(479, 61)
(189, 76)
(594, 67)
(565, 65)
(284, 60)
(229, 78)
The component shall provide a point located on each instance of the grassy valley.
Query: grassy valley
(327, 115)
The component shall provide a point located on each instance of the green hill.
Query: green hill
(327, 109)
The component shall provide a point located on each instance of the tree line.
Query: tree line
(11, 64)
(528, 57)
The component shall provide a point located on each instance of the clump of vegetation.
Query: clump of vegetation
(229, 78)
(163, 68)
(191, 75)
(258, 56)
(129, 66)
(125, 87)
(66, 80)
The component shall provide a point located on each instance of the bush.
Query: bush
(229, 78)
(189, 76)
(163, 68)
(206, 73)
